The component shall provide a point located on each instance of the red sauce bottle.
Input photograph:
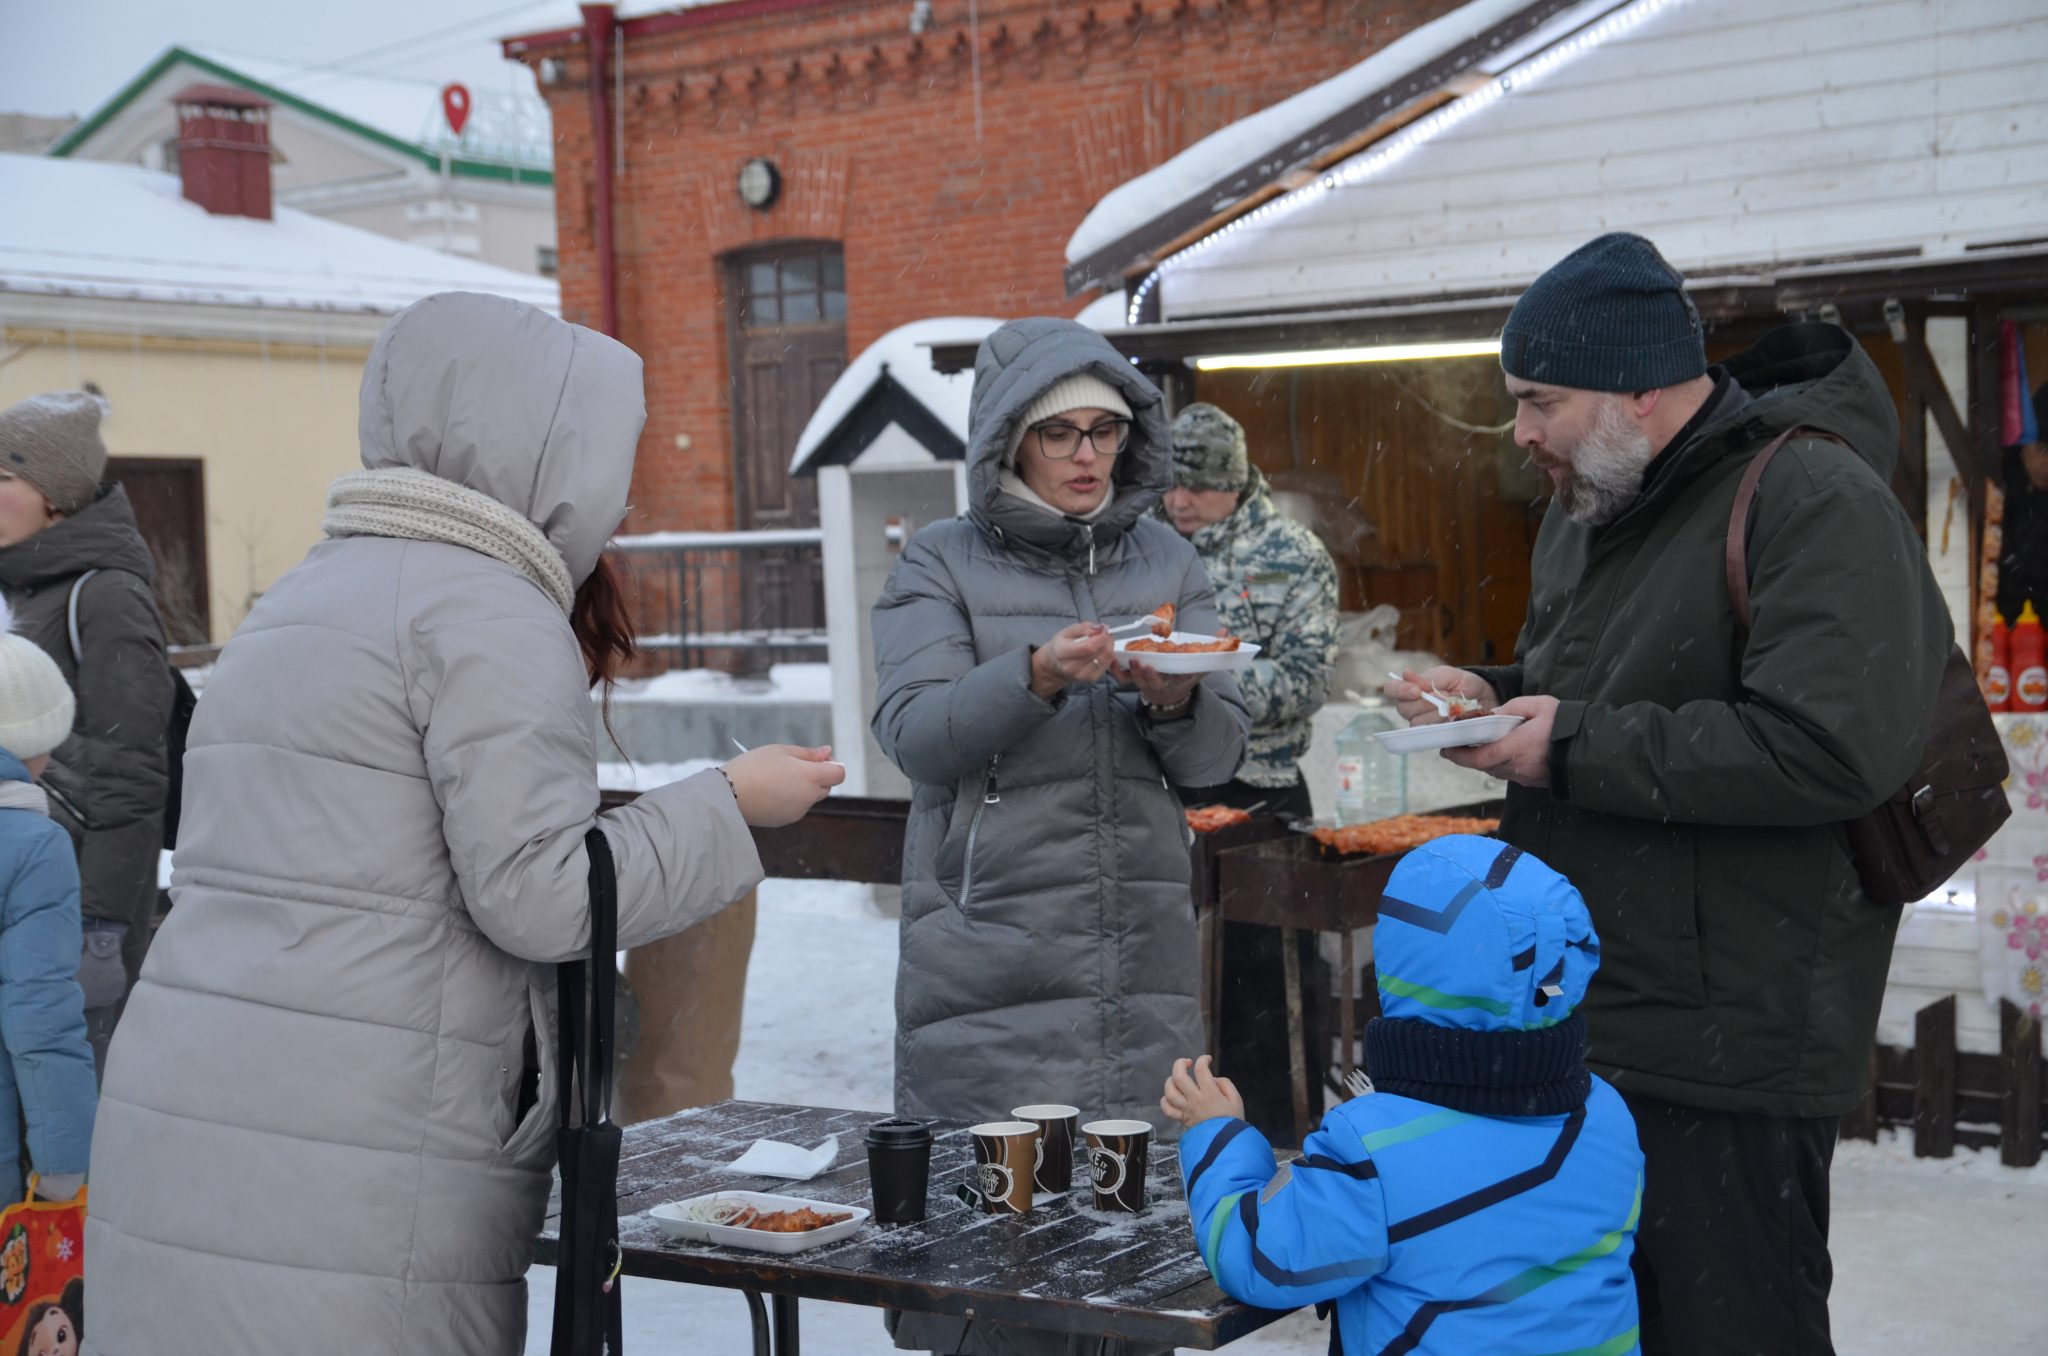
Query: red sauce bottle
(2029, 662)
(1998, 672)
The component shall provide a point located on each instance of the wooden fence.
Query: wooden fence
(1949, 1097)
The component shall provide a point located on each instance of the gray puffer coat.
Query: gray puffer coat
(322, 1130)
(1048, 937)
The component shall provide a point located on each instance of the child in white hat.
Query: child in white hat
(46, 1075)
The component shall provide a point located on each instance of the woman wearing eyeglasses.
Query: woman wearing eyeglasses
(1048, 950)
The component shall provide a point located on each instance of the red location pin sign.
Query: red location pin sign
(455, 103)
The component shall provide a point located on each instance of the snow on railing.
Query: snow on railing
(715, 541)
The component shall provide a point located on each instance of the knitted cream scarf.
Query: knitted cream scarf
(397, 501)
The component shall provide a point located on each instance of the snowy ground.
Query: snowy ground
(1935, 1256)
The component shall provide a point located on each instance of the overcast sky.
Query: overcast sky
(67, 56)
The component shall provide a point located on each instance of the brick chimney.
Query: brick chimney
(224, 150)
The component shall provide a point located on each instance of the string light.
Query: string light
(1379, 353)
(1369, 163)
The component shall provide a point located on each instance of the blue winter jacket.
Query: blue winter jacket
(1434, 1229)
(46, 1077)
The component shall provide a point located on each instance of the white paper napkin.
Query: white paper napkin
(773, 1158)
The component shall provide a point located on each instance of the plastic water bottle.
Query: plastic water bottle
(1371, 782)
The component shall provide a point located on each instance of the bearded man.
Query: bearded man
(1692, 780)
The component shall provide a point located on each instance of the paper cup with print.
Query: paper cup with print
(1058, 1128)
(1005, 1152)
(1116, 1156)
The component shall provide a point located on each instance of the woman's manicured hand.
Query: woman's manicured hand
(1154, 687)
(1080, 654)
(777, 784)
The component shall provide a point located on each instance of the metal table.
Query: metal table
(1261, 872)
(1062, 1268)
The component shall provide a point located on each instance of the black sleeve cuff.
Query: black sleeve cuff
(1560, 769)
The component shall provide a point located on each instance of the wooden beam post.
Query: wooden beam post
(2019, 1086)
(1923, 381)
(1934, 1079)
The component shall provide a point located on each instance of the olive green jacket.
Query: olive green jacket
(1705, 780)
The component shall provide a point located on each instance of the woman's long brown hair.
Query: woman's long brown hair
(604, 630)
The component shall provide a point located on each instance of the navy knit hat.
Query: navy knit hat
(1609, 316)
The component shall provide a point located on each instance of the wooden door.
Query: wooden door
(789, 345)
(788, 325)
(169, 498)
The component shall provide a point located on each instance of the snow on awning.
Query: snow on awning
(892, 383)
(1751, 135)
(1234, 163)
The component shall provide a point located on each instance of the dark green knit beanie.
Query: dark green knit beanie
(1609, 316)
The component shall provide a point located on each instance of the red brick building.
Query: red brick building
(921, 159)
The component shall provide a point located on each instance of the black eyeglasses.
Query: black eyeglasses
(1059, 440)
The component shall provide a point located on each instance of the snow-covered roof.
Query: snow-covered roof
(89, 229)
(1745, 137)
(508, 126)
(904, 356)
(1209, 161)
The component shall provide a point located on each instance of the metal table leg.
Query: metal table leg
(758, 1312)
(787, 1343)
(1297, 1057)
(1346, 1020)
(1210, 931)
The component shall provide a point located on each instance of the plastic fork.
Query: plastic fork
(1359, 1084)
(1141, 624)
(1441, 703)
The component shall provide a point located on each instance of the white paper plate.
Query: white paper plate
(1448, 734)
(1215, 661)
(671, 1221)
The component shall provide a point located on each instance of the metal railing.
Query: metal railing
(739, 600)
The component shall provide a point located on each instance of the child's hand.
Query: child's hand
(1194, 1094)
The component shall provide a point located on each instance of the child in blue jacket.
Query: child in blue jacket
(46, 1077)
(1484, 1196)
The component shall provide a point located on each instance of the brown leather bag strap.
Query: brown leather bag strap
(1735, 556)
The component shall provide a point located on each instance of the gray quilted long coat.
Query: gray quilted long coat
(1048, 937)
(321, 1133)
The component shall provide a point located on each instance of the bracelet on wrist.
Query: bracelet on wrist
(1171, 709)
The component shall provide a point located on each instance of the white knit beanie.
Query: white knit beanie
(36, 705)
(1081, 391)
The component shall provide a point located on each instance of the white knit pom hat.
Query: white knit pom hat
(36, 705)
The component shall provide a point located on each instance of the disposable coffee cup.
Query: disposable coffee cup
(1116, 1157)
(899, 1169)
(1005, 1153)
(1058, 1128)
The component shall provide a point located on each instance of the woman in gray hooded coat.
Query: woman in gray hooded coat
(329, 1115)
(1048, 948)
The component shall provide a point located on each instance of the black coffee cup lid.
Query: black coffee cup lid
(892, 1134)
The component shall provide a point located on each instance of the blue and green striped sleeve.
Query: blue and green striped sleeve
(1280, 1237)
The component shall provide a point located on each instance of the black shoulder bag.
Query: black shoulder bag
(588, 1317)
(1926, 830)
(183, 704)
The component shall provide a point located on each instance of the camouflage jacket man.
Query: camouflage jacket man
(1275, 586)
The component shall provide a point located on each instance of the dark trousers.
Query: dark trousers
(1732, 1252)
(1253, 1003)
